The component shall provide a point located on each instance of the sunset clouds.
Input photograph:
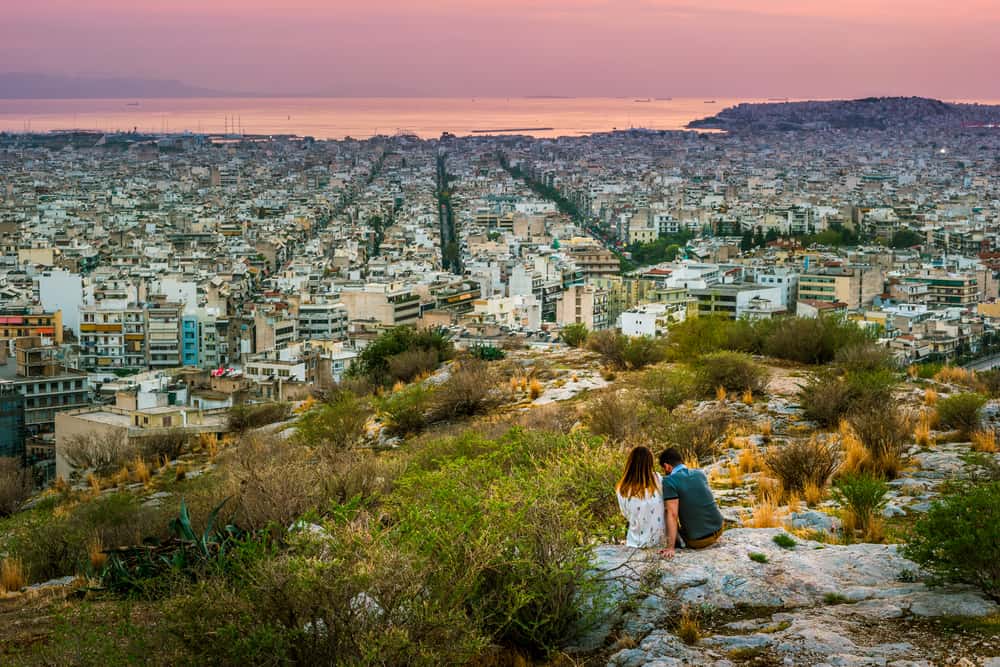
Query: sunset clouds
(520, 47)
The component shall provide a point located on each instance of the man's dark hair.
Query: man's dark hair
(671, 457)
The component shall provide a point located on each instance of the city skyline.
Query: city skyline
(578, 48)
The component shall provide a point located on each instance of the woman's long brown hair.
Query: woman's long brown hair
(640, 478)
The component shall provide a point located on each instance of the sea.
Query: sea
(336, 118)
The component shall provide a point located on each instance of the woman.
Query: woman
(640, 497)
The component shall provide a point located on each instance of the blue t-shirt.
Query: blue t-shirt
(699, 515)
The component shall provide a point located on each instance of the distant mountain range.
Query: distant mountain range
(21, 85)
(877, 113)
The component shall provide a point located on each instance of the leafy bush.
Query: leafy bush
(336, 425)
(784, 540)
(696, 336)
(696, 435)
(406, 409)
(16, 485)
(610, 345)
(757, 557)
(668, 387)
(864, 357)
(884, 432)
(959, 538)
(245, 417)
(863, 496)
(410, 363)
(574, 335)
(487, 352)
(813, 340)
(800, 463)
(473, 388)
(641, 351)
(827, 398)
(374, 360)
(733, 371)
(615, 415)
(962, 412)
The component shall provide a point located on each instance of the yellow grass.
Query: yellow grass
(692, 462)
(141, 470)
(121, 477)
(61, 486)
(956, 375)
(210, 443)
(11, 575)
(763, 514)
(720, 393)
(94, 483)
(750, 460)
(766, 427)
(922, 432)
(856, 457)
(735, 476)
(688, 627)
(399, 386)
(535, 389)
(912, 371)
(304, 407)
(794, 502)
(872, 528)
(985, 441)
(768, 487)
(813, 494)
(930, 396)
(748, 397)
(95, 551)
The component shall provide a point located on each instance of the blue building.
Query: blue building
(189, 340)
(11, 421)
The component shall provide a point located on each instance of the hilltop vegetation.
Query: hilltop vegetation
(446, 510)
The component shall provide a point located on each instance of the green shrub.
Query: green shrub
(336, 425)
(474, 387)
(16, 485)
(641, 351)
(610, 345)
(800, 463)
(813, 340)
(828, 397)
(866, 356)
(696, 336)
(962, 412)
(757, 557)
(863, 496)
(784, 540)
(615, 415)
(695, 435)
(408, 364)
(574, 335)
(958, 540)
(734, 371)
(668, 387)
(374, 361)
(406, 409)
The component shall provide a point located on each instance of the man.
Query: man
(690, 507)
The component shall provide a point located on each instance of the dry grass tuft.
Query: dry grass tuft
(535, 389)
(766, 428)
(121, 477)
(750, 460)
(856, 457)
(691, 461)
(985, 441)
(956, 375)
(720, 393)
(930, 397)
(95, 552)
(923, 432)
(763, 513)
(688, 627)
(794, 502)
(747, 397)
(813, 494)
(94, 483)
(735, 476)
(11, 575)
(142, 474)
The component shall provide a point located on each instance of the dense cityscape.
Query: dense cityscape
(330, 333)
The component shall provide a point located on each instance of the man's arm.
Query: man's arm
(672, 521)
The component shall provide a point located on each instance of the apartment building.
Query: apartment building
(33, 369)
(388, 303)
(583, 304)
(322, 321)
(856, 286)
(11, 421)
(17, 322)
(113, 336)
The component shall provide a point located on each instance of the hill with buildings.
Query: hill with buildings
(879, 113)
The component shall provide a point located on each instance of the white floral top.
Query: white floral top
(646, 525)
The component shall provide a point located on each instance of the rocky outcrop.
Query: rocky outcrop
(811, 604)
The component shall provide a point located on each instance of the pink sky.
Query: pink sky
(520, 47)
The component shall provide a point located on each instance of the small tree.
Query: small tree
(959, 538)
(575, 335)
(610, 345)
(102, 453)
(337, 425)
(16, 486)
(962, 412)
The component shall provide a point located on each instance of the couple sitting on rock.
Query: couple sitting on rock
(675, 510)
